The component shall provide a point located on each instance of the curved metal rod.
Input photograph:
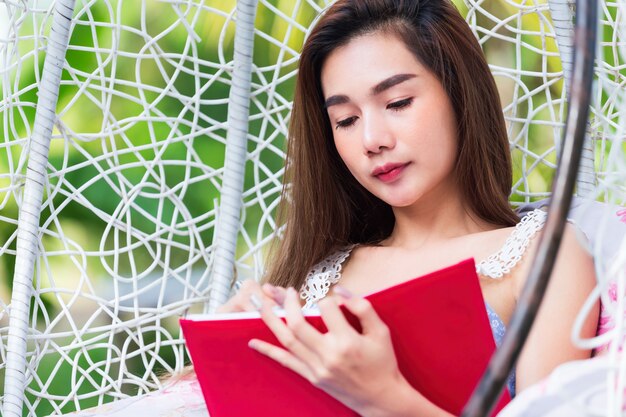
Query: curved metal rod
(488, 391)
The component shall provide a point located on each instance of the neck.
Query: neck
(433, 222)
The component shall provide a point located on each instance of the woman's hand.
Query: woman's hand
(358, 369)
(251, 296)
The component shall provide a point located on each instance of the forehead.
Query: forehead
(366, 60)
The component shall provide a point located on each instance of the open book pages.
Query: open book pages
(307, 312)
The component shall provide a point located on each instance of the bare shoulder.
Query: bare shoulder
(490, 241)
(574, 269)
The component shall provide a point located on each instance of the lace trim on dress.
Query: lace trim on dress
(503, 261)
(322, 276)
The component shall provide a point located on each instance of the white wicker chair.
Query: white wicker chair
(92, 314)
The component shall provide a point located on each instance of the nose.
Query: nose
(377, 135)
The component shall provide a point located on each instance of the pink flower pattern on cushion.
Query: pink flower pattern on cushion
(606, 321)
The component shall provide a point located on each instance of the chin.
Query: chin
(395, 201)
(401, 204)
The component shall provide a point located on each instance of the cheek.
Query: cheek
(345, 152)
(349, 154)
(434, 135)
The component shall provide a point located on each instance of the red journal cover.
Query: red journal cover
(440, 332)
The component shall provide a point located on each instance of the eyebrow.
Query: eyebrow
(385, 84)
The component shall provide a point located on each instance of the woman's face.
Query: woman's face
(393, 123)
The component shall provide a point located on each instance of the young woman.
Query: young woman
(399, 165)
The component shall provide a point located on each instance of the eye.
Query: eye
(345, 123)
(400, 104)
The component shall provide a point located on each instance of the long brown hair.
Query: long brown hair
(324, 207)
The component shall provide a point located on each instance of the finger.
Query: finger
(306, 333)
(253, 294)
(364, 311)
(236, 304)
(334, 318)
(275, 293)
(244, 299)
(282, 356)
(249, 286)
(344, 293)
(286, 336)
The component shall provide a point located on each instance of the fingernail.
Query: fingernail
(279, 296)
(253, 344)
(276, 293)
(256, 302)
(341, 291)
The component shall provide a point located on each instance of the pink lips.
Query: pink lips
(389, 172)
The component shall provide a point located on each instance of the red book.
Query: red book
(440, 332)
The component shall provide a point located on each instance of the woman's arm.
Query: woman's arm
(549, 342)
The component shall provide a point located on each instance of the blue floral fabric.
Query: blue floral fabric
(498, 329)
